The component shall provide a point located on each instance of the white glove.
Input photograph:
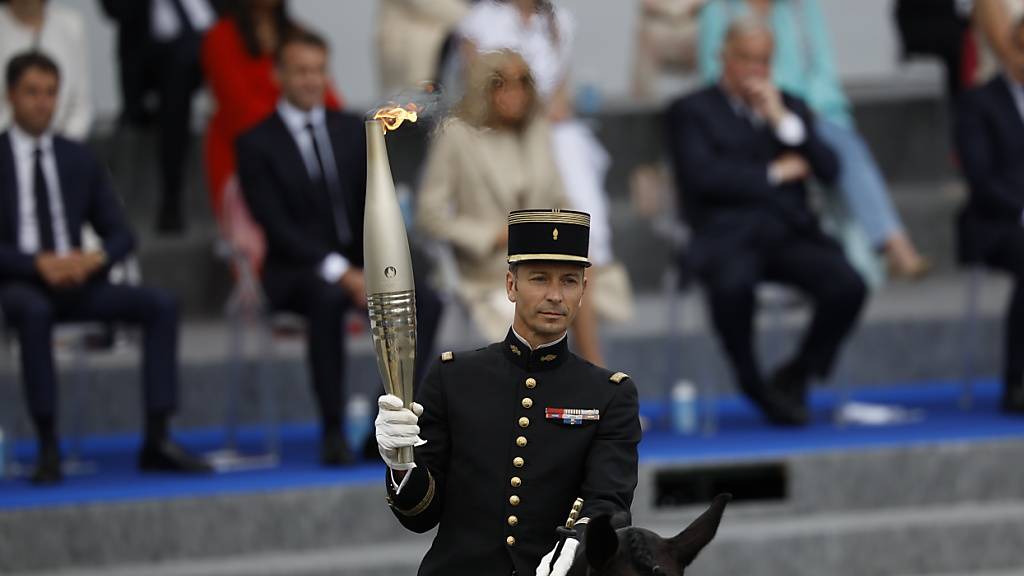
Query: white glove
(565, 557)
(397, 428)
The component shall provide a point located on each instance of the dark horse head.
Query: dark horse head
(634, 551)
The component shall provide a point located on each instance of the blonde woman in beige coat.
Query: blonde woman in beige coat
(493, 156)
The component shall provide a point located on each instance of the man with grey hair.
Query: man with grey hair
(744, 154)
(990, 137)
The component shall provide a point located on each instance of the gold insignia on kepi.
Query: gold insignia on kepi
(515, 349)
(548, 358)
(618, 377)
(554, 234)
(447, 356)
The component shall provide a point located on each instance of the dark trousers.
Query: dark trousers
(32, 310)
(1008, 255)
(172, 71)
(815, 266)
(324, 307)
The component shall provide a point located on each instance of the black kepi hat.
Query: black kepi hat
(548, 236)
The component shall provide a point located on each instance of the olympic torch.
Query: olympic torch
(391, 293)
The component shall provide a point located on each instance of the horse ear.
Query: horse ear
(602, 542)
(688, 543)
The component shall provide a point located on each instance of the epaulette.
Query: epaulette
(618, 377)
(447, 356)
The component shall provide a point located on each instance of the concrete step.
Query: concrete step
(925, 509)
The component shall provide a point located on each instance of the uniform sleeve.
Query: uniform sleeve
(610, 474)
(418, 506)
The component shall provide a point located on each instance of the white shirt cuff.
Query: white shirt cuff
(334, 267)
(399, 485)
(791, 130)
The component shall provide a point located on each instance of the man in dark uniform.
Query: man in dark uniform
(513, 433)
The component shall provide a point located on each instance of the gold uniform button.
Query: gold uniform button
(511, 541)
(518, 462)
(513, 521)
(531, 383)
(527, 403)
(516, 482)
(521, 441)
(524, 422)
(514, 500)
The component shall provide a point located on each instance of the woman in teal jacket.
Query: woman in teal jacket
(803, 66)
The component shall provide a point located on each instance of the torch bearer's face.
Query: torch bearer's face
(547, 295)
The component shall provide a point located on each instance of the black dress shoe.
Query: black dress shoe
(48, 471)
(779, 409)
(1013, 400)
(793, 381)
(334, 451)
(167, 456)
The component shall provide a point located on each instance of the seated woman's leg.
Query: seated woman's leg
(866, 194)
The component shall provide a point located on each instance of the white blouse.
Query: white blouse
(493, 25)
(62, 38)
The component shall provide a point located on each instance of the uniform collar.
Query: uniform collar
(545, 357)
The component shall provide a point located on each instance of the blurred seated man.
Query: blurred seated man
(990, 138)
(744, 154)
(49, 188)
(303, 175)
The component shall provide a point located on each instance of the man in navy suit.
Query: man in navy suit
(990, 139)
(303, 175)
(49, 188)
(743, 154)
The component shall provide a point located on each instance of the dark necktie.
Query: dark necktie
(44, 216)
(330, 189)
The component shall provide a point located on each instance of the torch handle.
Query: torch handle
(405, 455)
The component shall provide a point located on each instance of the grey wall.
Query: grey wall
(865, 42)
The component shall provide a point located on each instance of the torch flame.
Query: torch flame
(391, 117)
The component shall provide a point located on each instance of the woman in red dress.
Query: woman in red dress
(238, 63)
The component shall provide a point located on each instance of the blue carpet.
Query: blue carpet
(742, 435)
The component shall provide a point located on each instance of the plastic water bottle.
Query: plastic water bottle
(684, 407)
(357, 421)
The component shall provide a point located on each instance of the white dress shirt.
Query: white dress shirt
(62, 38)
(334, 266)
(165, 22)
(24, 146)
